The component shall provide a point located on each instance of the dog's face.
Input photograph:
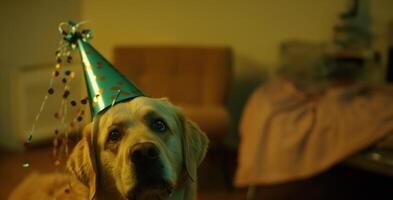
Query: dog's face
(138, 149)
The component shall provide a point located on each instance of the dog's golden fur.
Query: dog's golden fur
(106, 169)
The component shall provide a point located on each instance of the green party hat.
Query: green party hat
(105, 85)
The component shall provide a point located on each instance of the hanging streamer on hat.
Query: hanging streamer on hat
(64, 50)
(29, 138)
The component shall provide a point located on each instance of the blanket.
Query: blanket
(287, 134)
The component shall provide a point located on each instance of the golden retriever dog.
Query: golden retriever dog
(144, 149)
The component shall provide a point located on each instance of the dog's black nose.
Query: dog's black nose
(144, 152)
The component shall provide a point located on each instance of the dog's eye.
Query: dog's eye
(159, 126)
(114, 135)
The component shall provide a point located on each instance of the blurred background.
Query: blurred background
(294, 95)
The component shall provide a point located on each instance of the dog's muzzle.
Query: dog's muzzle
(148, 170)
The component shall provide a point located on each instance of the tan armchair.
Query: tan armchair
(195, 78)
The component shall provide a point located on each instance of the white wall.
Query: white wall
(28, 37)
(254, 28)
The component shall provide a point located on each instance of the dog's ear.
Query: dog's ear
(194, 143)
(81, 163)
